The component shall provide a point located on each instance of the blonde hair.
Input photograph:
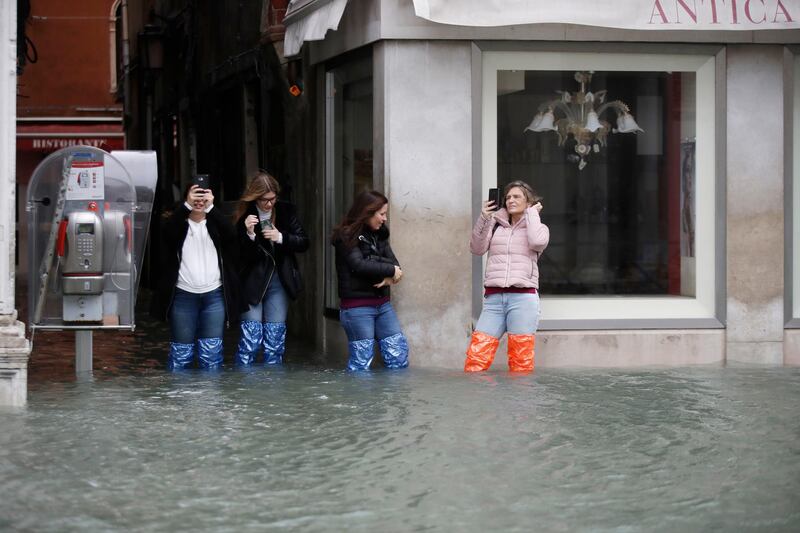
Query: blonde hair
(260, 184)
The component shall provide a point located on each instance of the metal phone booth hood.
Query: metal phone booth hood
(88, 221)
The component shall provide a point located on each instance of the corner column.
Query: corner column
(425, 133)
(14, 347)
(755, 218)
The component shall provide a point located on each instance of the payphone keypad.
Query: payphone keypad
(85, 243)
(86, 246)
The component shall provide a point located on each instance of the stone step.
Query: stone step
(15, 329)
(13, 344)
(16, 358)
(9, 319)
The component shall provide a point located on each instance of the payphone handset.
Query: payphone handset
(117, 241)
(80, 243)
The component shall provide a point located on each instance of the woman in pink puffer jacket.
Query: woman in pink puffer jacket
(515, 238)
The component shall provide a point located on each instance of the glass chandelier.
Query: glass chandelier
(583, 112)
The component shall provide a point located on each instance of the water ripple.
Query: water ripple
(322, 450)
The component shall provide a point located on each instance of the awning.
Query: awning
(309, 20)
(624, 14)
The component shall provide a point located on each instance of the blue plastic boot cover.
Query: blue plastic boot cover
(360, 354)
(210, 352)
(394, 350)
(274, 342)
(180, 355)
(249, 342)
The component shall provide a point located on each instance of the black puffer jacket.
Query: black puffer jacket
(362, 266)
(224, 238)
(259, 257)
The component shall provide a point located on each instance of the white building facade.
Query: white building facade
(669, 246)
(14, 347)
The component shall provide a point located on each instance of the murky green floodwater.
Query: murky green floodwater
(308, 449)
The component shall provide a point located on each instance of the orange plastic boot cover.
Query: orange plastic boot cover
(520, 352)
(480, 353)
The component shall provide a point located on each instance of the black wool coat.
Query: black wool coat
(260, 259)
(360, 267)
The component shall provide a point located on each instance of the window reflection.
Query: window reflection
(623, 224)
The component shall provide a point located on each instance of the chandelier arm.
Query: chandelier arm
(616, 105)
(567, 110)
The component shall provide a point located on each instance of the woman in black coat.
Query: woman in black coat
(199, 288)
(269, 235)
(366, 266)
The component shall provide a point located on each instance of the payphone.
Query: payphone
(88, 221)
(80, 251)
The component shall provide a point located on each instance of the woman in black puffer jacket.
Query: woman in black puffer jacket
(269, 235)
(366, 267)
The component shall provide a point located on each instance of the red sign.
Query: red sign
(51, 144)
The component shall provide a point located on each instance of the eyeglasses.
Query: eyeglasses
(270, 200)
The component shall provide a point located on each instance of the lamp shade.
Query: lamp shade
(626, 124)
(593, 122)
(537, 120)
(542, 122)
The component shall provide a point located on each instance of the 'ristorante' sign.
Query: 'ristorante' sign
(626, 14)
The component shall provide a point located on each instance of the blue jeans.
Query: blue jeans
(274, 307)
(515, 313)
(264, 326)
(197, 316)
(363, 325)
(369, 322)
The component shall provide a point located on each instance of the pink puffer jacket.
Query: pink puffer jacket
(513, 250)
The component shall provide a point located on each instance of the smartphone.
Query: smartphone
(494, 196)
(202, 181)
(266, 224)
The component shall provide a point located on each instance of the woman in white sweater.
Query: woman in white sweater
(198, 283)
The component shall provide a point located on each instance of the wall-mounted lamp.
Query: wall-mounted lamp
(151, 48)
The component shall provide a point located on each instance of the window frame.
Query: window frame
(352, 67)
(707, 308)
(792, 187)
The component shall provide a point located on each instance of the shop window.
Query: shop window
(622, 149)
(348, 150)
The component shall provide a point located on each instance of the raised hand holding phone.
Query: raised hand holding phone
(195, 197)
(492, 204)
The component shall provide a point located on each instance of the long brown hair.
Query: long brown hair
(260, 184)
(364, 207)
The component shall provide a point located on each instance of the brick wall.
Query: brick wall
(272, 27)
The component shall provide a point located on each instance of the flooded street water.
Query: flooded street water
(313, 449)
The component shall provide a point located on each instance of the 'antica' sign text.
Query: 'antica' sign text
(626, 14)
